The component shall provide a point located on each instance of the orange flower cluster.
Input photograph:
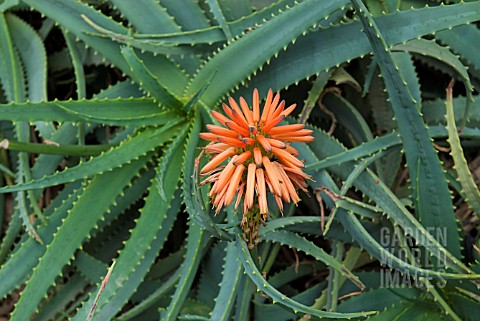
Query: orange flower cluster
(258, 154)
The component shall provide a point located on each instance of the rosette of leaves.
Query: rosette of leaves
(116, 166)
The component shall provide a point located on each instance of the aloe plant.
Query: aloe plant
(104, 177)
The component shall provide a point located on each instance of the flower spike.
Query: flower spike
(257, 152)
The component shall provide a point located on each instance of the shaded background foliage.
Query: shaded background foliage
(102, 103)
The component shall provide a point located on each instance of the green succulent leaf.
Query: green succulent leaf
(469, 187)
(325, 48)
(150, 234)
(148, 81)
(262, 284)
(273, 36)
(300, 243)
(126, 152)
(430, 193)
(82, 218)
(195, 242)
(232, 272)
(116, 112)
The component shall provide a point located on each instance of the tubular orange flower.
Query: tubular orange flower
(217, 160)
(249, 196)
(250, 152)
(257, 156)
(262, 191)
(242, 157)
